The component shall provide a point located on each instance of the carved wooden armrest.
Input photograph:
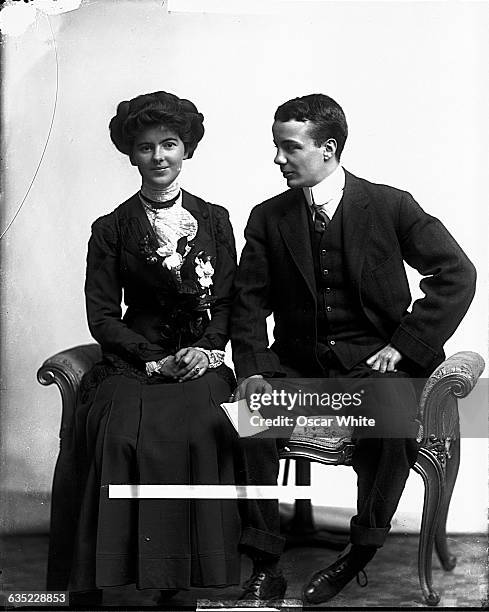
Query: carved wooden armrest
(454, 378)
(66, 369)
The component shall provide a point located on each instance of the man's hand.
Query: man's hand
(385, 360)
(248, 386)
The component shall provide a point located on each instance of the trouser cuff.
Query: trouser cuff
(261, 544)
(367, 536)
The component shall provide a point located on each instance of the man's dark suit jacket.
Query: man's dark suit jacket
(383, 227)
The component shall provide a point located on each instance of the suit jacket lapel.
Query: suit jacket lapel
(294, 227)
(356, 227)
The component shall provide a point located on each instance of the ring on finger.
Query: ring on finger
(196, 369)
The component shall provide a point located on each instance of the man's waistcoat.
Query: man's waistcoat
(342, 325)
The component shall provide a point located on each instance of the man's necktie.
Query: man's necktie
(321, 219)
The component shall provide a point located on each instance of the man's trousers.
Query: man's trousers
(382, 462)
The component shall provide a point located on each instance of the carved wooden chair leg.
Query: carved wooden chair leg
(431, 471)
(447, 560)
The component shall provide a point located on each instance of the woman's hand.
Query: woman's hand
(192, 363)
(170, 368)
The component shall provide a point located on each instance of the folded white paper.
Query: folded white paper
(240, 415)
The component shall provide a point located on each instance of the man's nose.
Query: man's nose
(279, 157)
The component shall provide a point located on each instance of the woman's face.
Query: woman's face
(158, 153)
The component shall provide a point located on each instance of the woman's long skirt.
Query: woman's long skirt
(170, 433)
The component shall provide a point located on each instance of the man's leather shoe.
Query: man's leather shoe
(327, 583)
(264, 587)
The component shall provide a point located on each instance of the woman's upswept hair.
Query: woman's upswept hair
(157, 108)
(327, 118)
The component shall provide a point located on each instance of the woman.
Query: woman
(150, 413)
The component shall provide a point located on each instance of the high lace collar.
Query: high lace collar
(161, 195)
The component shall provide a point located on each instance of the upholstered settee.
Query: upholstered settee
(437, 463)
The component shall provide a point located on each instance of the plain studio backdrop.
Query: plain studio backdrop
(411, 77)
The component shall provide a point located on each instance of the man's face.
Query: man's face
(302, 163)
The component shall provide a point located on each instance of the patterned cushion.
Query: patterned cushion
(332, 438)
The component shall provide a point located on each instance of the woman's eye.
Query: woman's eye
(170, 145)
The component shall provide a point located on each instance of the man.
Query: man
(326, 257)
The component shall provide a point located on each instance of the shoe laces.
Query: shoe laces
(362, 578)
(319, 578)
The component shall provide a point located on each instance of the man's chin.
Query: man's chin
(293, 182)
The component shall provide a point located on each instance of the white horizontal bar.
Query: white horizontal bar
(208, 491)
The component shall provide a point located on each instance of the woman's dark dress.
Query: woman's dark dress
(136, 429)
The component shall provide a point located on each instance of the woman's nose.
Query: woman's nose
(158, 154)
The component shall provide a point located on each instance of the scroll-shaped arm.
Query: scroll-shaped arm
(66, 370)
(452, 379)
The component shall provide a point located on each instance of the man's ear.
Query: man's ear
(329, 149)
(131, 159)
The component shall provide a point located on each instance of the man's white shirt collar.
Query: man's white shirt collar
(327, 193)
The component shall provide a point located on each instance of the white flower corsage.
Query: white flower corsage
(204, 270)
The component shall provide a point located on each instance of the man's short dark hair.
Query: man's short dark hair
(323, 112)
